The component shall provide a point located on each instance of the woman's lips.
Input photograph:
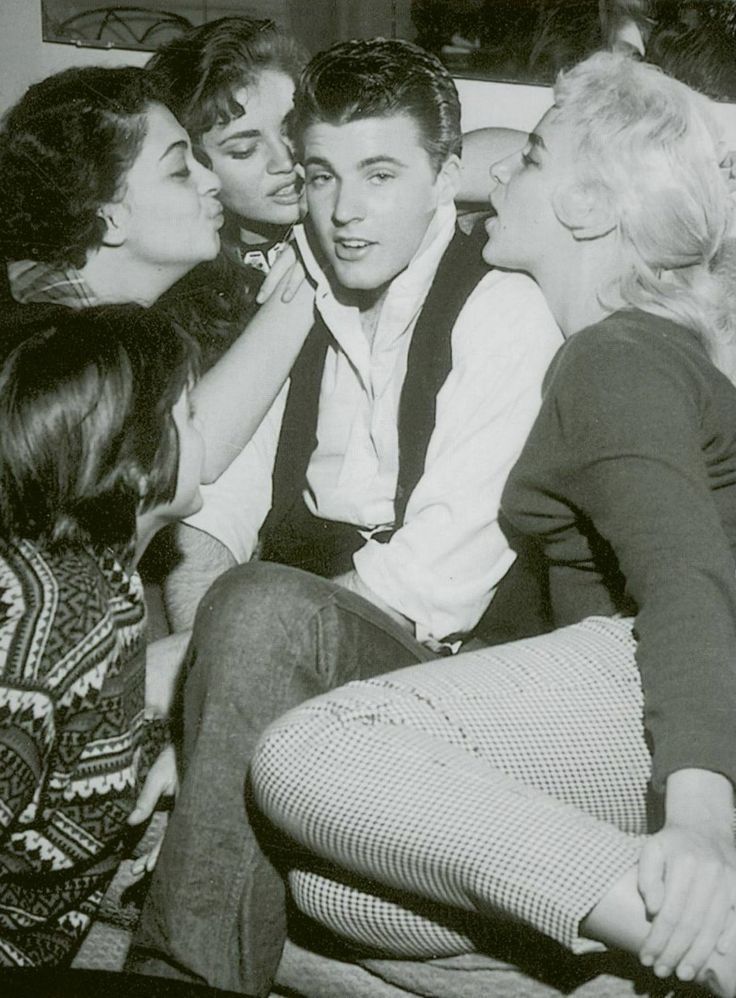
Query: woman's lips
(288, 194)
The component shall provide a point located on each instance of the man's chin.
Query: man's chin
(356, 278)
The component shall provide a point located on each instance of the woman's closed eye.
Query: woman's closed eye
(242, 153)
(318, 179)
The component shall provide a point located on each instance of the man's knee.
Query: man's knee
(258, 594)
(255, 616)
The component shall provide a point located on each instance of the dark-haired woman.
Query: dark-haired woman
(98, 449)
(102, 201)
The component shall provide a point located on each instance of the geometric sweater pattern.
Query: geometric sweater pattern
(74, 740)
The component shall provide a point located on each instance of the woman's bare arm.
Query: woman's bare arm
(232, 397)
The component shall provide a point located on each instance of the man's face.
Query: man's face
(371, 192)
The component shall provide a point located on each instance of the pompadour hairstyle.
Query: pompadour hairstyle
(381, 78)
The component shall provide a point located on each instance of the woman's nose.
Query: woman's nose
(281, 159)
(502, 169)
(207, 181)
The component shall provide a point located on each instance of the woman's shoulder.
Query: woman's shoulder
(634, 346)
(639, 331)
(60, 589)
(213, 304)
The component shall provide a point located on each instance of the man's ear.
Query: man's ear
(448, 180)
(587, 210)
(115, 216)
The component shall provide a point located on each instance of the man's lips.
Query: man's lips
(352, 249)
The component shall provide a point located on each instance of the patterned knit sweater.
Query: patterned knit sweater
(73, 741)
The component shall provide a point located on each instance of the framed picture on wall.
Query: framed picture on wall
(146, 24)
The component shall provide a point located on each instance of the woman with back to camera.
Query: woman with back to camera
(98, 450)
(515, 780)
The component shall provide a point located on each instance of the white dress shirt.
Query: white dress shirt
(441, 567)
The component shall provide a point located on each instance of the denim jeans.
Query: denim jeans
(266, 638)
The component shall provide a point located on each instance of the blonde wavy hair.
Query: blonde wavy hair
(649, 144)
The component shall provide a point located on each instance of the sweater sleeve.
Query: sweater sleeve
(67, 759)
(27, 725)
(627, 417)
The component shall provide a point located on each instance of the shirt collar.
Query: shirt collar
(32, 281)
(402, 302)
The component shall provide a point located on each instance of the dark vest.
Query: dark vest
(290, 534)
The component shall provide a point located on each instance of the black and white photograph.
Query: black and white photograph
(368, 499)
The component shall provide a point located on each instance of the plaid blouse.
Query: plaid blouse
(38, 282)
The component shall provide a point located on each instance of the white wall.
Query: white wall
(25, 58)
(508, 105)
(512, 105)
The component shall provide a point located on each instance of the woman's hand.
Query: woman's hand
(235, 394)
(687, 876)
(163, 662)
(161, 781)
(284, 278)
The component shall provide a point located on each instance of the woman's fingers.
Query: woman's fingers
(291, 282)
(671, 920)
(727, 939)
(651, 875)
(716, 916)
(282, 265)
(161, 781)
(694, 913)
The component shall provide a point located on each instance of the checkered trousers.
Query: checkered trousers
(508, 781)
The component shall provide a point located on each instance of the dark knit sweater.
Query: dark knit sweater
(629, 480)
(74, 741)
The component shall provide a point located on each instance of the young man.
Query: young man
(418, 416)
(381, 469)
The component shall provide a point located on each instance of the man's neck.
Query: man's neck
(369, 304)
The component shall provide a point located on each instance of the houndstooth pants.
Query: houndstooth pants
(510, 781)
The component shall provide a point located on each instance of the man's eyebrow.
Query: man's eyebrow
(317, 161)
(247, 133)
(368, 161)
(385, 158)
(179, 144)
